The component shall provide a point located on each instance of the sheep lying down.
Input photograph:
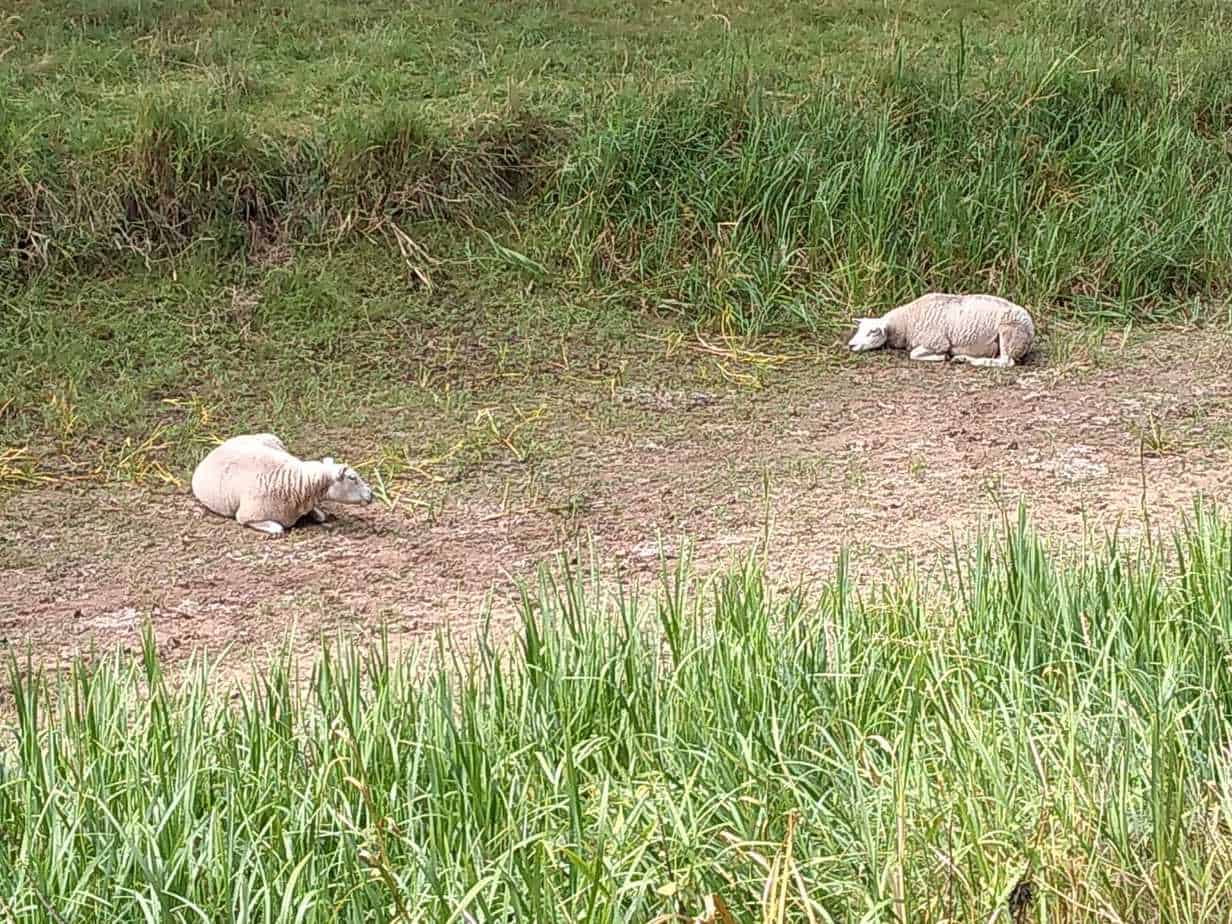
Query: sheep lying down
(982, 330)
(255, 480)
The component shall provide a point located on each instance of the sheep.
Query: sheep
(981, 330)
(254, 479)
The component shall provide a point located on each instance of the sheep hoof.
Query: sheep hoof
(267, 526)
(318, 515)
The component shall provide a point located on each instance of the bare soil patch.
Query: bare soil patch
(881, 455)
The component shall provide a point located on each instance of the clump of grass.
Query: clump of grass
(394, 167)
(18, 469)
(195, 174)
(723, 197)
(28, 174)
(1042, 734)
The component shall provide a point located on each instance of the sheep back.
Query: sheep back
(967, 324)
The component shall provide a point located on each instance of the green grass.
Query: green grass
(320, 349)
(390, 227)
(1036, 727)
(272, 213)
(1064, 189)
(766, 171)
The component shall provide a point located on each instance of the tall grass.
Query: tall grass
(1038, 735)
(195, 175)
(1068, 188)
(1082, 168)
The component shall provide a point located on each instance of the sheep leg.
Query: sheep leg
(1012, 342)
(999, 362)
(925, 355)
(270, 527)
(1008, 340)
(317, 514)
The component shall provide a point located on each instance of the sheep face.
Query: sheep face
(870, 335)
(347, 487)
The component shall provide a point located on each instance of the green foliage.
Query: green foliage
(1075, 158)
(1044, 730)
(1049, 182)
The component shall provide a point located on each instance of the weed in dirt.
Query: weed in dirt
(1076, 346)
(1035, 728)
(993, 487)
(19, 468)
(1179, 430)
(809, 472)
(855, 477)
(917, 467)
(1155, 437)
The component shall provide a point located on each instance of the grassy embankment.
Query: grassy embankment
(218, 216)
(223, 216)
(1039, 735)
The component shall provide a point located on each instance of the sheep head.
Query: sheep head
(346, 486)
(870, 335)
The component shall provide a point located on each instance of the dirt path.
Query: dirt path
(881, 455)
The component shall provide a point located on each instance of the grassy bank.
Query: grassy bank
(227, 212)
(1073, 155)
(1040, 734)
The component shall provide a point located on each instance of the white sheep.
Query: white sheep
(255, 480)
(982, 330)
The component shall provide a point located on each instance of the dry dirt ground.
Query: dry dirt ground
(876, 453)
